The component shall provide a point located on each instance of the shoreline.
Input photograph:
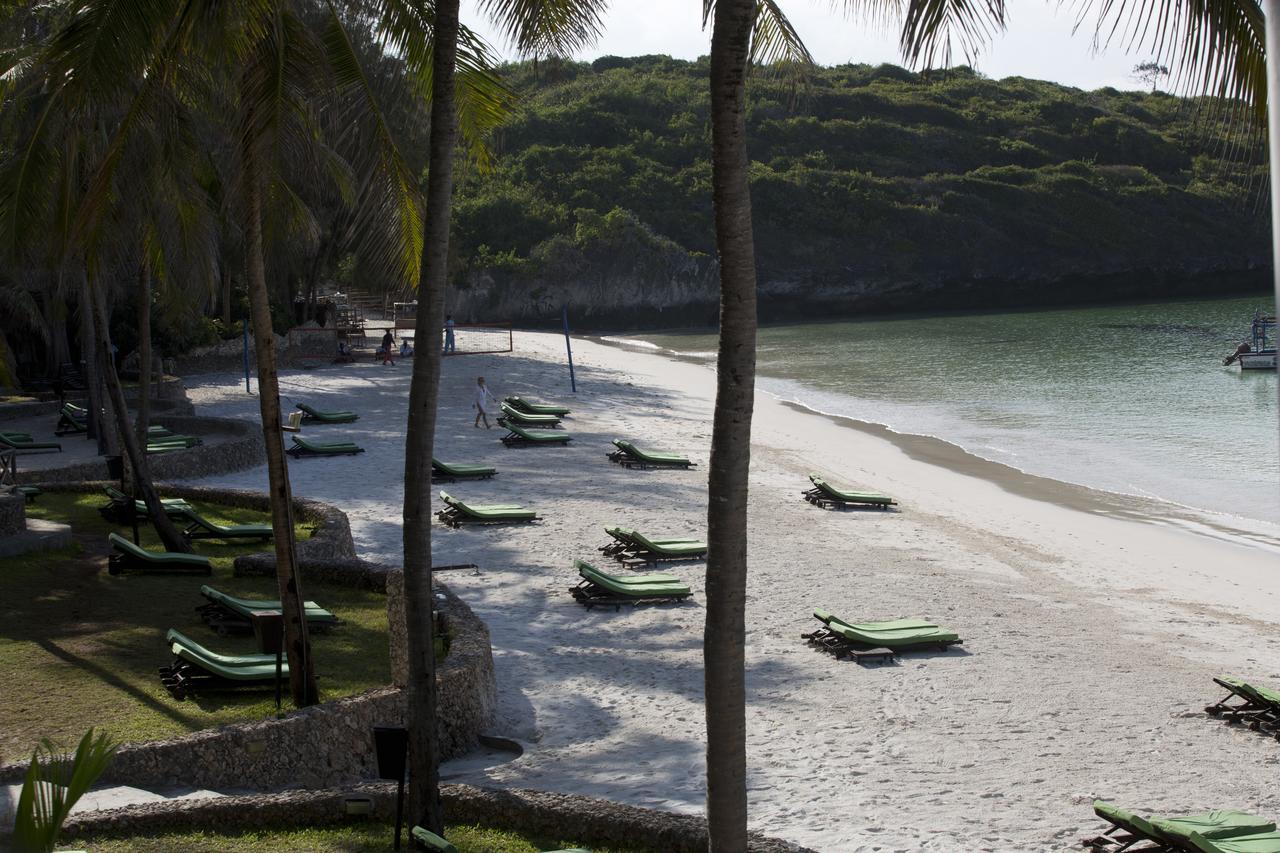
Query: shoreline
(1245, 531)
(1090, 639)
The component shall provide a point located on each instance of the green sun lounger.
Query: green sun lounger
(1127, 828)
(535, 408)
(122, 509)
(305, 447)
(29, 493)
(457, 513)
(636, 580)
(518, 436)
(514, 415)
(824, 494)
(1261, 842)
(196, 668)
(624, 542)
(159, 432)
(655, 550)
(629, 456)
(425, 839)
(226, 613)
(174, 439)
(129, 557)
(1259, 707)
(444, 472)
(597, 587)
(71, 419)
(23, 441)
(199, 527)
(315, 416)
(865, 641)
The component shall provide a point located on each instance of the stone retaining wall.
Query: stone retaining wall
(13, 514)
(167, 396)
(584, 820)
(243, 450)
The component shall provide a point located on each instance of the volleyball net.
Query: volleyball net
(471, 339)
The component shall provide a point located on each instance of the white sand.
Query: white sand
(1089, 641)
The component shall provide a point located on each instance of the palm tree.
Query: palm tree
(535, 28)
(1215, 45)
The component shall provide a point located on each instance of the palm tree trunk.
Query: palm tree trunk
(89, 363)
(302, 675)
(424, 391)
(724, 636)
(143, 420)
(226, 296)
(136, 453)
(1272, 10)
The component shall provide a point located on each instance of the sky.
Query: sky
(1038, 43)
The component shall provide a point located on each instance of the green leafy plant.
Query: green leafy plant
(55, 781)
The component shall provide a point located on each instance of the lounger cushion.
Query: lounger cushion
(428, 840)
(670, 548)
(646, 578)
(489, 512)
(1221, 823)
(1263, 842)
(619, 586)
(125, 546)
(894, 637)
(544, 436)
(461, 470)
(200, 657)
(650, 456)
(849, 496)
(174, 636)
(537, 408)
(247, 606)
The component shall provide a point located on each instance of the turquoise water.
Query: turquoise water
(1129, 398)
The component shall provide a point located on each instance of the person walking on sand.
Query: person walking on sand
(448, 333)
(388, 348)
(482, 396)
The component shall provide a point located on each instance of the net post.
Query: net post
(573, 384)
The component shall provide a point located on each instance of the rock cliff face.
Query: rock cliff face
(676, 290)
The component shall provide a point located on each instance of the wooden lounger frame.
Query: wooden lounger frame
(1259, 716)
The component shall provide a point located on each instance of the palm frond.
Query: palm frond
(54, 783)
(548, 27)
(1212, 47)
(392, 226)
(931, 29)
(776, 44)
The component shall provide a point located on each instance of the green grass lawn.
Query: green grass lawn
(348, 838)
(80, 648)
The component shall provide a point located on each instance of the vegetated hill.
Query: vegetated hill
(874, 188)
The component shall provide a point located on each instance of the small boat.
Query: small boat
(1259, 351)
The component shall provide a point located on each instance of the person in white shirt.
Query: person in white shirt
(482, 396)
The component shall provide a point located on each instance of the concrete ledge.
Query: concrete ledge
(585, 820)
(169, 396)
(39, 535)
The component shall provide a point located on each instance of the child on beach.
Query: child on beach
(482, 396)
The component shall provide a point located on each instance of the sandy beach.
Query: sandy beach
(1091, 636)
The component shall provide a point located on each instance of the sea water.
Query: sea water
(1131, 399)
